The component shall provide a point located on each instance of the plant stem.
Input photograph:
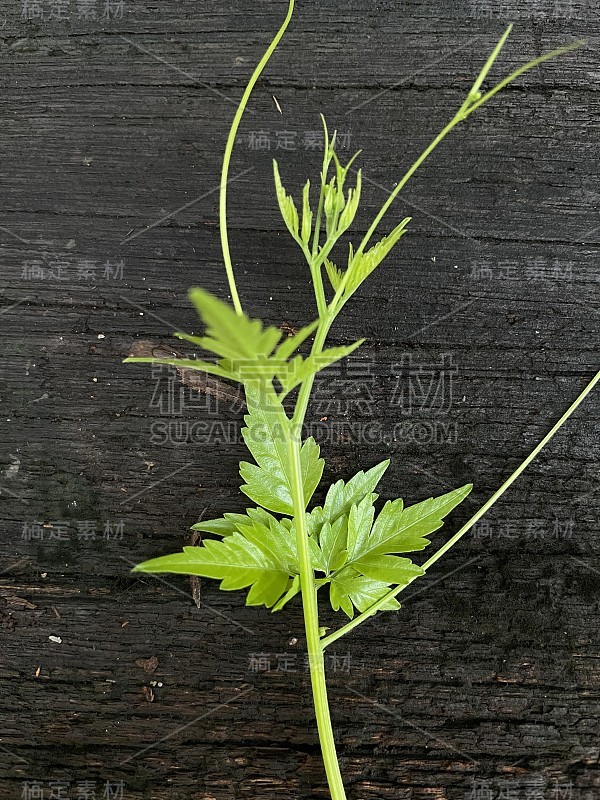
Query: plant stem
(317, 281)
(311, 625)
(307, 579)
(475, 518)
(473, 101)
(305, 389)
(227, 158)
(315, 269)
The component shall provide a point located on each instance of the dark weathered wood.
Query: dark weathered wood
(112, 125)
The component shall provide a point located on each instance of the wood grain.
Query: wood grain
(113, 131)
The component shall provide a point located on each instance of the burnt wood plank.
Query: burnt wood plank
(113, 129)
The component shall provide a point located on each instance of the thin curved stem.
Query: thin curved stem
(468, 525)
(227, 158)
(525, 68)
(473, 101)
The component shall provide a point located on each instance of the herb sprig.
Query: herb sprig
(279, 548)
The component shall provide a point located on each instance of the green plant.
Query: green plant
(279, 548)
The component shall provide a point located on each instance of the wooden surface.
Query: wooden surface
(487, 682)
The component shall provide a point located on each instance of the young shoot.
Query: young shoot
(350, 552)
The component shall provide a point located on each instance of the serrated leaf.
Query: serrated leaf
(347, 216)
(333, 543)
(349, 590)
(274, 540)
(306, 214)
(360, 521)
(403, 530)
(361, 265)
(316, 555)
(387, 568)
(184, 363)
(292, 590)
(370, 547)
(311, 466)
(286, 204)
(243, 346)
(220, 527)
(340, 210)
(339, 598)
(230, 522)
(235, 561)
(334, 274)
(333, 203)
(342, 496)
(231, 335)
(299, 368)
(266, 435)
(292, 343)
(265, 488)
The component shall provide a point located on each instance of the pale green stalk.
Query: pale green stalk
(227, 158)
(311, 625)
(326, 161)
(307, 583)
(311, 256)
(525, 68)
(473, 101)
(468, 525)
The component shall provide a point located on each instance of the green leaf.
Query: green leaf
(185, 363)
(396, 530)
(235, 561)
(333, 544)
(339, 210)
(349, 212)
(316, 555)
(349, 589)
(387, 568)
(220, 527)
(229, 335)
(361, 265)
(403, 530)
(311, 466)
(363, 550)
(274, 540)
(334, 274)
(334, 202)
(341, 171)
(231, 522)
(286, 205)
(292, 343)
(306, 214)
(299, 368)
(266, 435)
(342, 496)
(243, 346)
(360, 521)
(292, 591)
